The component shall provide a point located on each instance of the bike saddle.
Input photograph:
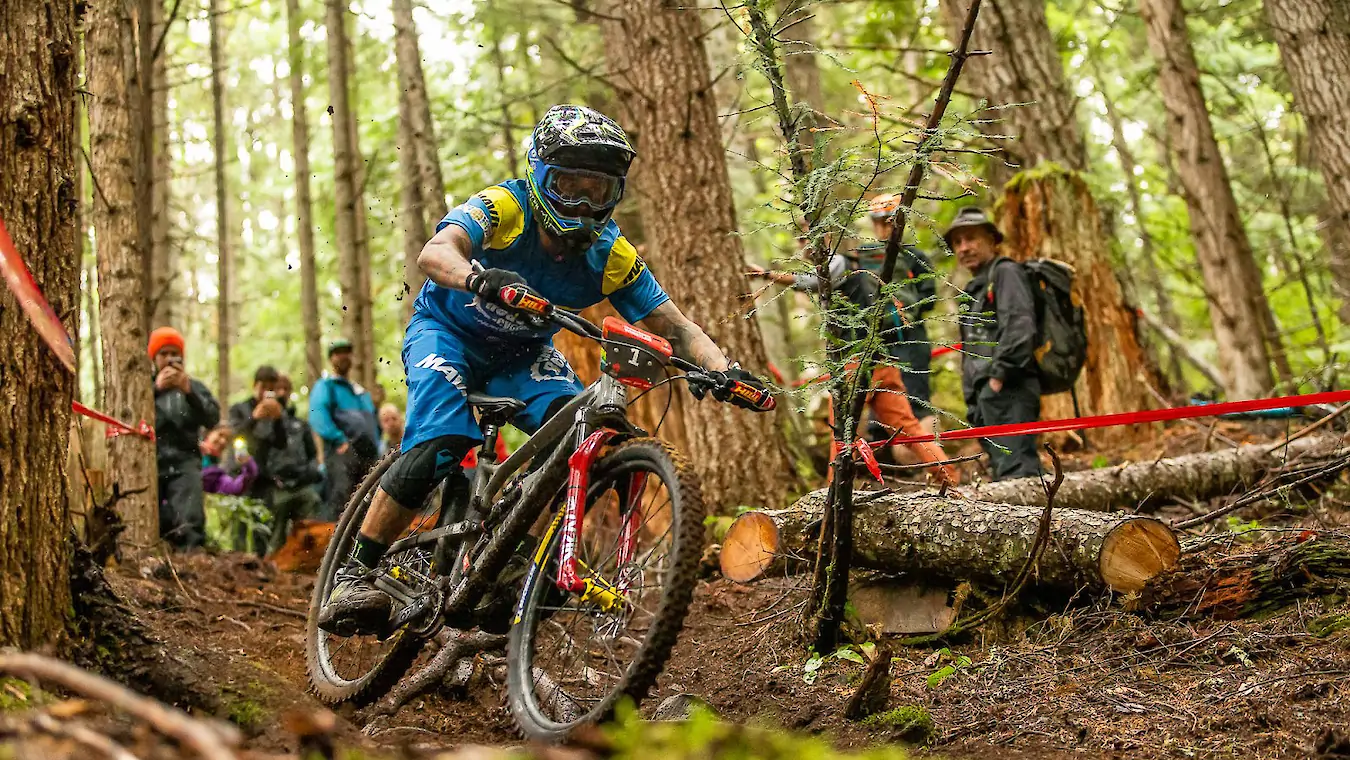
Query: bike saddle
(499, 409)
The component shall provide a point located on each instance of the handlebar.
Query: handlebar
(700, 380)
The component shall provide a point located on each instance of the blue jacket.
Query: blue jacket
(341, 411)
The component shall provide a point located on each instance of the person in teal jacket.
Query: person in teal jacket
(342, 414)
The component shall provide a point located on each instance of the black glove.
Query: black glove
(488, 283)
(743, 389)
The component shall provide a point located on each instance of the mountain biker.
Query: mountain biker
(552, 232)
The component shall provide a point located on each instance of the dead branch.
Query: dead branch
(207, 740)
(84, 736)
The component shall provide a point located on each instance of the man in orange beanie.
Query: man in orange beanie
(183, 407)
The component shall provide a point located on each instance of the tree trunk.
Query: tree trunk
(128, 392)
(1314, 41)
(508, 132)
(1050, 213)
(1142, 485)
(142, 127)
(410, 206)
(304, 210)
(801, 72)
(1147, 254)
(167, 288)
(1232, 280)
(659, 51)
(1025, 67)
(1335, 233)
(929, 536)
(219, 146)
(38, 200)
(345, 193)
(423, 201)
(414, 86)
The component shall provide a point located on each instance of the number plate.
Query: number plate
(633, 357)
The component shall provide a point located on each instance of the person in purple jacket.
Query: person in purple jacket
(215, 477)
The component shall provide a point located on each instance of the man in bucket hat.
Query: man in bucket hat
(998, 328)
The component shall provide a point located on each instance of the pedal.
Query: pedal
(410, 614)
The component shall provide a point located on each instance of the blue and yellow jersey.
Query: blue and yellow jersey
(500, 223)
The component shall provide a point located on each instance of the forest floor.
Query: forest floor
(1089, 679)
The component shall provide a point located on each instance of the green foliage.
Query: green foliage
(233, 521)
(703, 736)
(17, 694)
(955, 664)
(1329, 624)
(912, 722)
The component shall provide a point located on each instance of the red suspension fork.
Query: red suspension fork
(578, 480)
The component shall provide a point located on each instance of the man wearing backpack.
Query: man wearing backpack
(998, 327)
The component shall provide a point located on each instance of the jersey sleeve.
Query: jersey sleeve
(629, 284)
(492, 218)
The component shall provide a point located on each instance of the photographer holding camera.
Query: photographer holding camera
(258, 420)
(183, 406)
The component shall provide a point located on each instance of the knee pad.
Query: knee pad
(413, 476)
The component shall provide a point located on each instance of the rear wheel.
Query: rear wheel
(362, 668)
(570, 660)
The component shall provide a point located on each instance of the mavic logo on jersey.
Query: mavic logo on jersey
(633, 273)
(550, 365)
(439, 364)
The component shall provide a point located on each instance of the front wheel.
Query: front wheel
(572, 658)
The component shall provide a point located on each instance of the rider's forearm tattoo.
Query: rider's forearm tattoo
(686, 338)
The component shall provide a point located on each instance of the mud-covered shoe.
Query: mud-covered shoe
(354, 605)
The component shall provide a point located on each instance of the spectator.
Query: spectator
(889, 402)
(344, 417)
(391, 426)
(918, 294)
(294, 469)
(183, 406)
(257, 420)
(215, 477)
(998, 327)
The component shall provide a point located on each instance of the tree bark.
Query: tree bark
(1314, 41)
(801, 71)
(304, 210)
(1227, 262)
(167, 291)
(1050, 213)
(1152, 275)
(1025, 67)
(414, 85)
(350, 208)
(219, 146)
(668, 98)
(423, 202)
(128, 391)
(1335, 234)
(1142, 485)
(508, 132)
(142, 127)
(38, 203)
(410, 207)
(930, 536)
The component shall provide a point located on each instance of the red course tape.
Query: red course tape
(1124, 418)
(115, 426)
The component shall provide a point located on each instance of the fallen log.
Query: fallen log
(929, 536)
(1139, 485)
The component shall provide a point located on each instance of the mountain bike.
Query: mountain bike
(606, 583)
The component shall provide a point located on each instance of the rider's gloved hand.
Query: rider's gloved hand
(488, 283)
(742, 389)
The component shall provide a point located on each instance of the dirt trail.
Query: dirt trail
(1089, 683)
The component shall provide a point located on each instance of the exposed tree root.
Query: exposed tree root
(456, 648)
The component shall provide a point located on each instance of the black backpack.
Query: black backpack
(1061, 325)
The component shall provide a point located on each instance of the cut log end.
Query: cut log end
(1136, 552)
(749, 548)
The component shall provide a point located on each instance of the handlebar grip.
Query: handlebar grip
(758, 399)
(522, 299)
